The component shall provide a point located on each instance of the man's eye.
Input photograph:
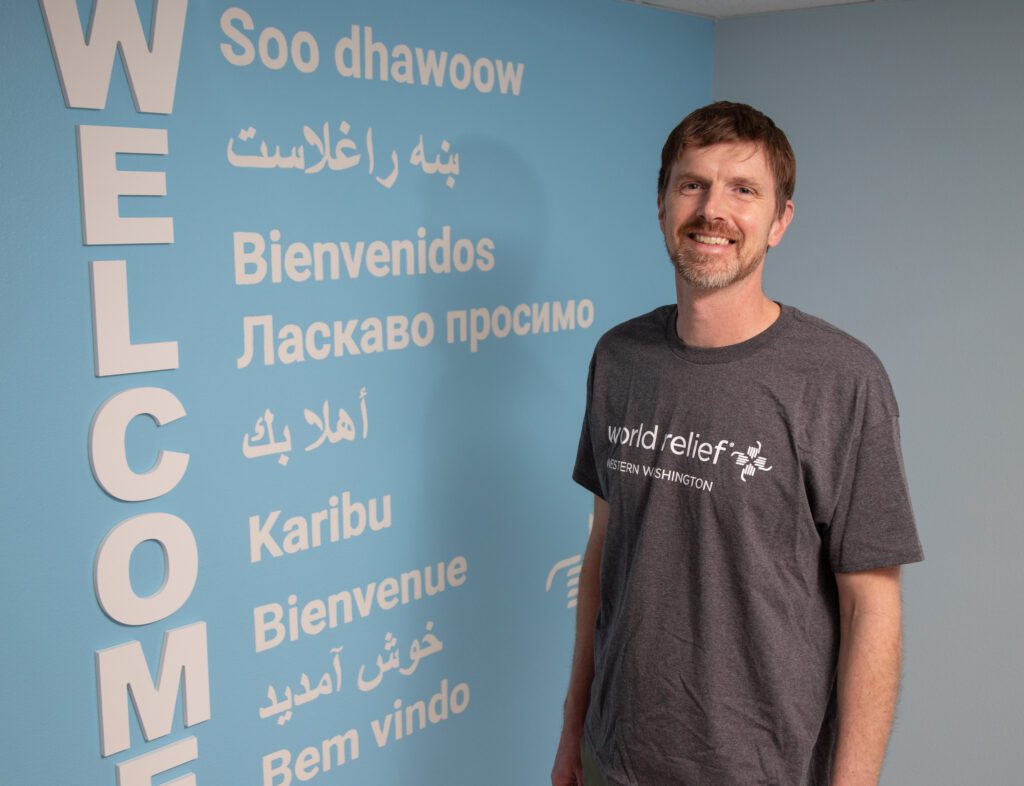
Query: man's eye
(690, 187)
(745, 191)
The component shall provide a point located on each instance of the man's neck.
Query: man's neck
(723, 317)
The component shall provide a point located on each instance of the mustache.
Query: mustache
(710, 228)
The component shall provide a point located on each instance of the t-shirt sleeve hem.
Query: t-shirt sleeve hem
(899, 558)
(588, 482)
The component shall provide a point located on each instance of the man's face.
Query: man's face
(718, 214)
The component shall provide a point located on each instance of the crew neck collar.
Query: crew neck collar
(728, 353)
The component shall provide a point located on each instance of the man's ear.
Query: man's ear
(661, 213)
(780, 225)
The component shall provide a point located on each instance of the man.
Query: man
(738, 620)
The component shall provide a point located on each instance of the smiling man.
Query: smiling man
(738, 620)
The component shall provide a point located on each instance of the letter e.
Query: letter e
(140, 770)
(103, 183)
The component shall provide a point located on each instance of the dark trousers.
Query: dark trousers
(592, 775)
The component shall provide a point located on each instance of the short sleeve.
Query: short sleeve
(585, 472)
(873, 524)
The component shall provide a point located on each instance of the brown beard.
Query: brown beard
(693, 267)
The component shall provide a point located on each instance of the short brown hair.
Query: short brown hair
(725, 121)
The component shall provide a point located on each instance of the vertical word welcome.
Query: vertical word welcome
(84, 65)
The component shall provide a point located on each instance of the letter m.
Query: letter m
(122, 670)
(85, 67)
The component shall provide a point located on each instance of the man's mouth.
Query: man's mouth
(711, 240)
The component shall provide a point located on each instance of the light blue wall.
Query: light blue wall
(906, 118)
(475, 449)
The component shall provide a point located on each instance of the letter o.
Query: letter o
(112, 573)
(306, 65)
(464, 255)
(483, 83)
(458, 707)
(460, 62)
(281, 59)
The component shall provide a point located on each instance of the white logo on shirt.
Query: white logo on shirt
(751, 461)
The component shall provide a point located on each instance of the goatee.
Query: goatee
(711, 270)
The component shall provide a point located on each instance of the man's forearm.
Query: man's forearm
(868, 684)
(588, 599)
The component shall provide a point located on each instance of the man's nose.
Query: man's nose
(712, 204)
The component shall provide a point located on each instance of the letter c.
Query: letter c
(107, 449)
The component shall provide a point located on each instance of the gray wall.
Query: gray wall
(907, 118)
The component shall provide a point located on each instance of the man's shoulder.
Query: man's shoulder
(836, 366)
(831, 346)
(642, 330)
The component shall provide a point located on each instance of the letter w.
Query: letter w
(431, 66)
(85, 68)
(123, 668)
(613, 433)
(510, 75)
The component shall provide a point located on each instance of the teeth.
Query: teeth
(711, 240)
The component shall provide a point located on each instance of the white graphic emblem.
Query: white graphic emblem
(572, 567)
(751, 461)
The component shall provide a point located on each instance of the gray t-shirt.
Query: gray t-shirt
(739, 480)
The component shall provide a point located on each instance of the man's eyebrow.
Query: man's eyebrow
(687, 175)
(739, 180)
(747, 181)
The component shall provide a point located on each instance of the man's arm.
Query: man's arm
(868, 672)
(568, 770)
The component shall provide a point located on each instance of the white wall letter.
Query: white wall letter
(112, 342)
(123, 668)
(112, 574)
(140, 770)
(84, 68)
(102, 184)
(106, 445)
